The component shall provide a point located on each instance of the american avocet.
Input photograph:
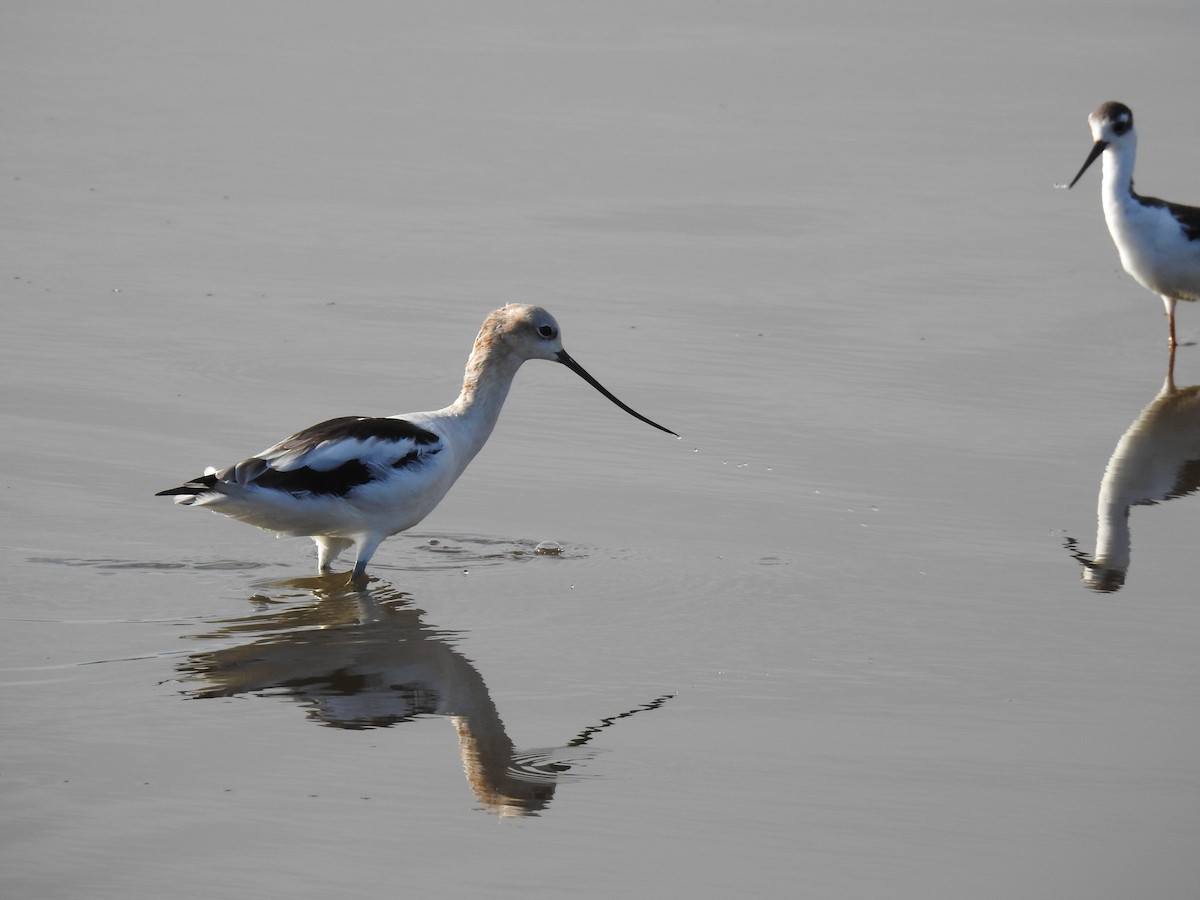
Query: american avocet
(1159, 242)
(356, 480)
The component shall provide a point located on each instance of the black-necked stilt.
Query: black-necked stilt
(356, 480)
(1159, 242)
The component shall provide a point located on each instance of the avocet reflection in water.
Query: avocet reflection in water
(1157, 459)
(362, 658)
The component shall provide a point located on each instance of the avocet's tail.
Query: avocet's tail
(187, 493)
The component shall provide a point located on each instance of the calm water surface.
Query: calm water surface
(832, 642)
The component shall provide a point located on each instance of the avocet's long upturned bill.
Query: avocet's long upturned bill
(1159, 242)
(356, 480)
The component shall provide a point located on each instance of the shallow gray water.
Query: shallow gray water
(832, 642)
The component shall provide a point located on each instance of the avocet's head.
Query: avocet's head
(530, 332)
(1112, 125)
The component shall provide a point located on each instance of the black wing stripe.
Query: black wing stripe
(361, 428)
(333, 482)
(338, 481)
(1188, 217)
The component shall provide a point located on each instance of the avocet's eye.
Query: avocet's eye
(546, 331)
(1122, 125)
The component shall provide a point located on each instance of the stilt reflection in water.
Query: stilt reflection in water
(1157, 459)
(362, 658)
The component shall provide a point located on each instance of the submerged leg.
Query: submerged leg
(1169, 303)
(328, 549)
(367, 545)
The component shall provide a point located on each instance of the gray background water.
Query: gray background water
(818, 240)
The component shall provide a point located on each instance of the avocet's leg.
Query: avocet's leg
(328, 549)
(367, 545)
(1169, 303)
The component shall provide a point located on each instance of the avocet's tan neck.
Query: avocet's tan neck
(489, 375)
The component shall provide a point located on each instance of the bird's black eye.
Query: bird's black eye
(546, 331)
(1122, 125)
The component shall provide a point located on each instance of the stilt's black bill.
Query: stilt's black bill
(565, 359)
(1097, 149)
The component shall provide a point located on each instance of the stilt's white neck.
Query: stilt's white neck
(1117, 164)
